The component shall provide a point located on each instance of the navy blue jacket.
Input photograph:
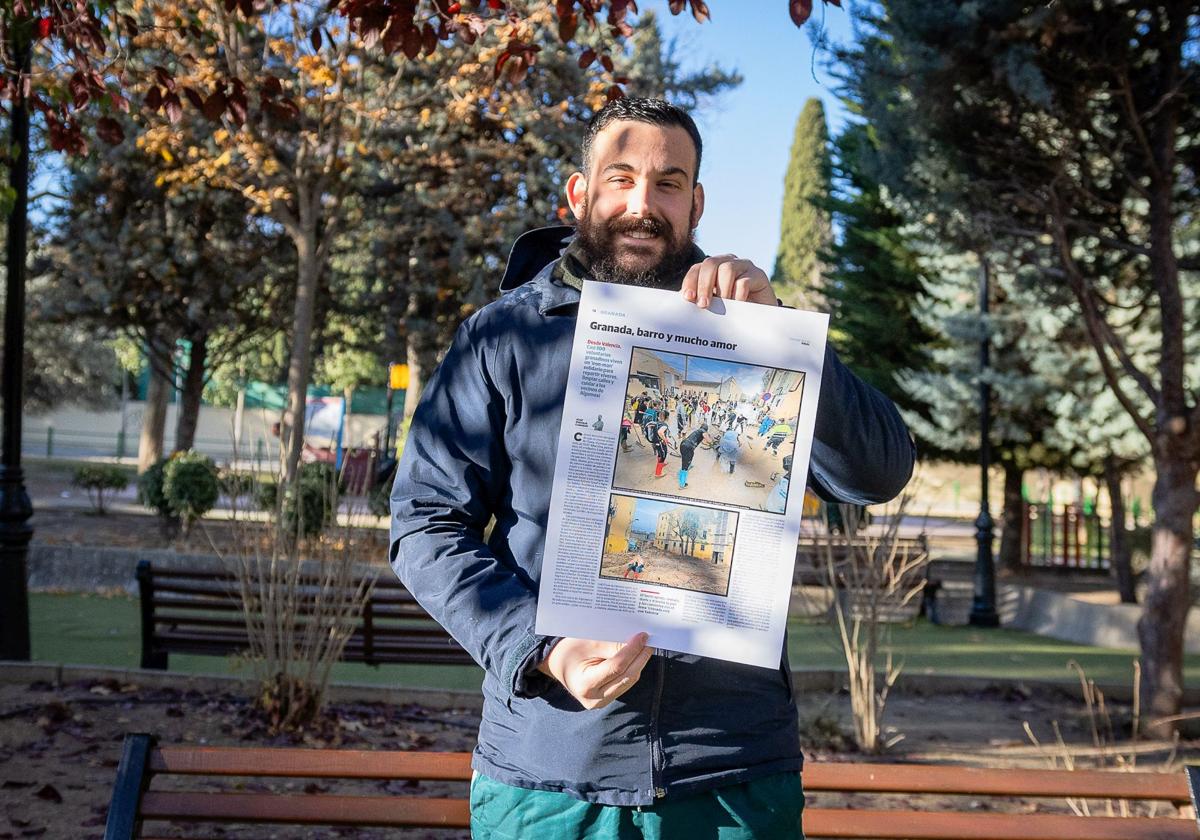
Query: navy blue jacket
(482, 446)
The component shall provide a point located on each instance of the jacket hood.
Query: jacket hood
(533, 251)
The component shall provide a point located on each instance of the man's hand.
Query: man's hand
(597, 673)
(728, 277)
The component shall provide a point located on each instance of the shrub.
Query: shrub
(190, 486)
(309, 505)
(150, 489)
(98, 480)
(235, 485)
(379, 503)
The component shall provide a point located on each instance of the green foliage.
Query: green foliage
(266, 496)
(150, 489)
(805, 228)
(379, 501)
(875, 279)
(236, 484)
(309, 504)
(190, 485)
(99, 480)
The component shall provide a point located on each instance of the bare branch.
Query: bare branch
(1092, 319)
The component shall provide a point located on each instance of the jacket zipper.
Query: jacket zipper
(656, 753)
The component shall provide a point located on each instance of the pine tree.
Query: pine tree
(874, 278)
(805, 229)
(1019, 122)
(1023, 400)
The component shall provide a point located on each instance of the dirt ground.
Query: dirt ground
(749, 485)
(59, 747)
(680, 571)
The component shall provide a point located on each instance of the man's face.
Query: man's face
(638, 205)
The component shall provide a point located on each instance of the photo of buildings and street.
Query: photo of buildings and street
(709, 430)
(669, 544)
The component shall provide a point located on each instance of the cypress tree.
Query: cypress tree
(805, 229)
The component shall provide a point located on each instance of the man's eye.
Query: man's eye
(668, 185)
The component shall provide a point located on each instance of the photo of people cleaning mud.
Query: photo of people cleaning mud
(708, 430)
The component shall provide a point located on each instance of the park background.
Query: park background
(997, 209)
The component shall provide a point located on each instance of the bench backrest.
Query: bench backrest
(204, 612)
(135, 799)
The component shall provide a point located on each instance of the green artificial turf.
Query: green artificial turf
(103, 630)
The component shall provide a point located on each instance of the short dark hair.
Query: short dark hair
(638, 109)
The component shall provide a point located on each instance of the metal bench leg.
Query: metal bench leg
(151, 658)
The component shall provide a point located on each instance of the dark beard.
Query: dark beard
(594, 243)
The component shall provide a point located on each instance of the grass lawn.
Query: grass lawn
(102, 630)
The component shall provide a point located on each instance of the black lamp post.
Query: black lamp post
(983, 606)
(15, 507)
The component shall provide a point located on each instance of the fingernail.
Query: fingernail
(703, 303)
(690, 294)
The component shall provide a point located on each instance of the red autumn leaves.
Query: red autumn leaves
(393, 25)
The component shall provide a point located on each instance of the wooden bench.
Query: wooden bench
(913, 594)
(812, 551)
(202, 612)
(142, 804)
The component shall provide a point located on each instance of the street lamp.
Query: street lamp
(983, 606)
(15, 507)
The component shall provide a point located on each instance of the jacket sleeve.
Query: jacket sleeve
(862, 453)
(453, 471)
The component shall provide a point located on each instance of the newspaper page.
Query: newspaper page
(679, 483)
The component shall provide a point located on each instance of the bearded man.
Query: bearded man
(581, 738)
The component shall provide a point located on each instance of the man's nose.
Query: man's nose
(638, 200)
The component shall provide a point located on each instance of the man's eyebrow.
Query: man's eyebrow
(625, 167)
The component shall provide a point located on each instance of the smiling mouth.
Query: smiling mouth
(640, 234)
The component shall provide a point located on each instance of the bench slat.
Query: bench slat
(1084, 784)
(415, 626)
(839, 824)
(306, 809)
(311, 763)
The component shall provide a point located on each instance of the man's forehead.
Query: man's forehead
(640, 145)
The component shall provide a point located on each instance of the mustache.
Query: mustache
(647, 224)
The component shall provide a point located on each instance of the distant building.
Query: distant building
(620, 523)
(730, 390)
(648, 371)
(707, 390)
(785, 387)
(711, 538)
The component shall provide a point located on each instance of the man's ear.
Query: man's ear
(577, 193)
(697, 204)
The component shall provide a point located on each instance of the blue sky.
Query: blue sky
(748, 132)
(749, 377)
(646, 513)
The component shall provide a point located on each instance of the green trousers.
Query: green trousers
(762, 809)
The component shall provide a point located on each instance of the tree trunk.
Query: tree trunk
(1012, 518)
(1168, 597)
(1119, 559)
(413, 339)
(300, 363)
(190, 396)
(154, 416)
